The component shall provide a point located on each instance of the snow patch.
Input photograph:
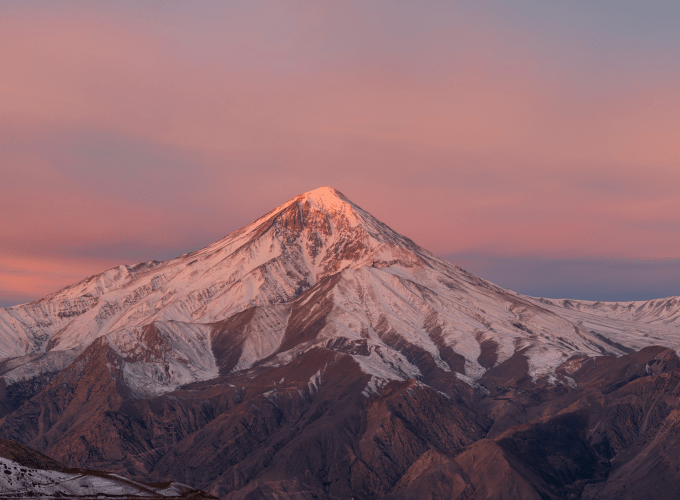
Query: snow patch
(17, 481)
(180, 354)
(383, 365)
(314, 382)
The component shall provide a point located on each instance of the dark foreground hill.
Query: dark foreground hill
(25, 473)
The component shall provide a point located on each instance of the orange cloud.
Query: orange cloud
(33, 277)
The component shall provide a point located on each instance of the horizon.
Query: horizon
(534, 145)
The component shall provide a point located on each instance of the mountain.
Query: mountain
(317, 353)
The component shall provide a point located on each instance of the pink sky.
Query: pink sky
(131, 133)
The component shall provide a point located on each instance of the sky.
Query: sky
(534, 143)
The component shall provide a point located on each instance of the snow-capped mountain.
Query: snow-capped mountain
(372, 293)
(317, 353)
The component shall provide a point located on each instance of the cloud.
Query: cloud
(605, 278)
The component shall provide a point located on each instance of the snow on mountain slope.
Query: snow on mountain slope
(164, 355)
(17, 481)
(27, 473)
(411, 310)
(664, 311)
(318, 271)
(269, 261)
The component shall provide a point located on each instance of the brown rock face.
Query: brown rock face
(256, 428)
(27, 457)
(612, 437)
(271, 433)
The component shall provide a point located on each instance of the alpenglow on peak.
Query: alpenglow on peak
(324, 197)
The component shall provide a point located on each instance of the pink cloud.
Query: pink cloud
(33, 277)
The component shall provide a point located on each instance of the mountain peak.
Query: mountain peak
(325, 197)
